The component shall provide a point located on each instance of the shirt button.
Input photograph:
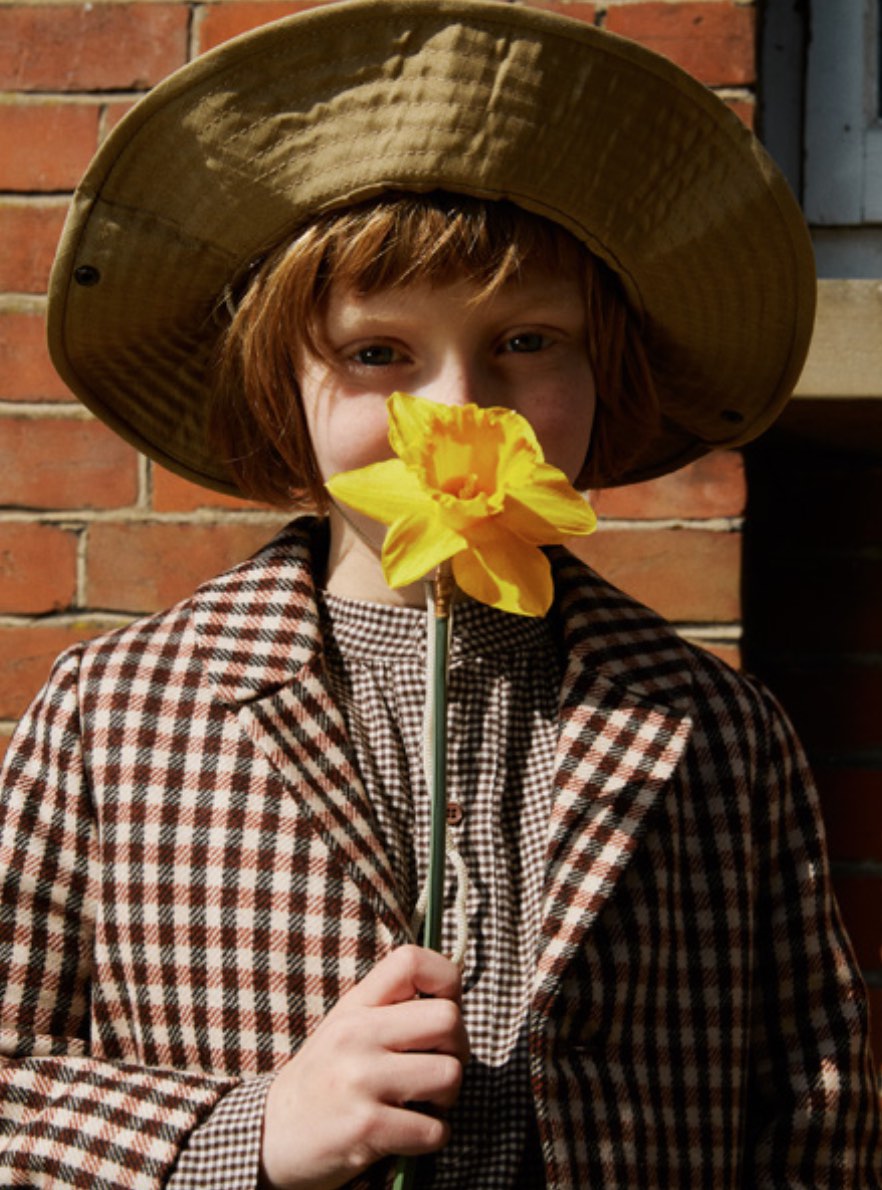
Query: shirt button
(455, 813)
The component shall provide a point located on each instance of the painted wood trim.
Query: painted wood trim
(845, 358)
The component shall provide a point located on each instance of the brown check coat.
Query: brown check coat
(191, 877)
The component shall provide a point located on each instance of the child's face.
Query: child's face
(524, 348)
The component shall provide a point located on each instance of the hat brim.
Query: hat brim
(500, 101)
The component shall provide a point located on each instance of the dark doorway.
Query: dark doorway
(813, 629)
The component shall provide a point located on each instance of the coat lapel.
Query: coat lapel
(624, 724)
(259, 638)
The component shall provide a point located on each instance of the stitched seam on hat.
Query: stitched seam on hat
(350, 160)
(146, 216)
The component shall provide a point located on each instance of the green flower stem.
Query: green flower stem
(406, 1170)
(438, 820)
(405, 1174)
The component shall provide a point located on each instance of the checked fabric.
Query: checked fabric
(191, 875)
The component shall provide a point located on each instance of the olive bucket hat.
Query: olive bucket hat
(234, 151)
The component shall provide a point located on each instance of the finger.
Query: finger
(434, 1079)
(407, 972)
(426, 1025)
(409, 1133)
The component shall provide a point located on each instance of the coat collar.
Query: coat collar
(258, 625)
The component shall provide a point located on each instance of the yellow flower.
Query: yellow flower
(470, 485)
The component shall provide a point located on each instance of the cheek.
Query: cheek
(349, 435)
(363, 434)
(348, 427)
(563, 425)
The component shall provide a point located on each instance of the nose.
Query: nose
(457, 379)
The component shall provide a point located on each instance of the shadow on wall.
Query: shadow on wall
(813, 631)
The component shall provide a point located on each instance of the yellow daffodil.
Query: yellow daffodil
(470, 485)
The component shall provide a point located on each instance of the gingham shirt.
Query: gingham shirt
(191, 875)
(503, 683)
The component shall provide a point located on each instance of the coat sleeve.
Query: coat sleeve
(814, 1102)
(69, 1117)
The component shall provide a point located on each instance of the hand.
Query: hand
(339, 1104)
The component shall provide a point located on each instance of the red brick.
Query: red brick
(90, 47)
(26, 372)
(686, 575)
(146, 567)
(45, 146)
(851, 800)
(37, 568)
(710, 487)
(26, 656)
(220, 22)
(171, 493)
(711, 39)
(860, 901)
(28, 235)
(63, 462)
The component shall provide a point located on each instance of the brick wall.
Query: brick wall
(92, 535)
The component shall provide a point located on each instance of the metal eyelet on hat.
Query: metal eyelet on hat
(86, 275)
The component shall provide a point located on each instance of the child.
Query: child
(214, 821)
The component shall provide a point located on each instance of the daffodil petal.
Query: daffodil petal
(521, 452)
(384, 491)
(544, 515)
(415, 545)
(413, 421)
(506, 574)
(530, 528)
(550, 496)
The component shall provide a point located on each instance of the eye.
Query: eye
(526, 342)
(377, 355)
